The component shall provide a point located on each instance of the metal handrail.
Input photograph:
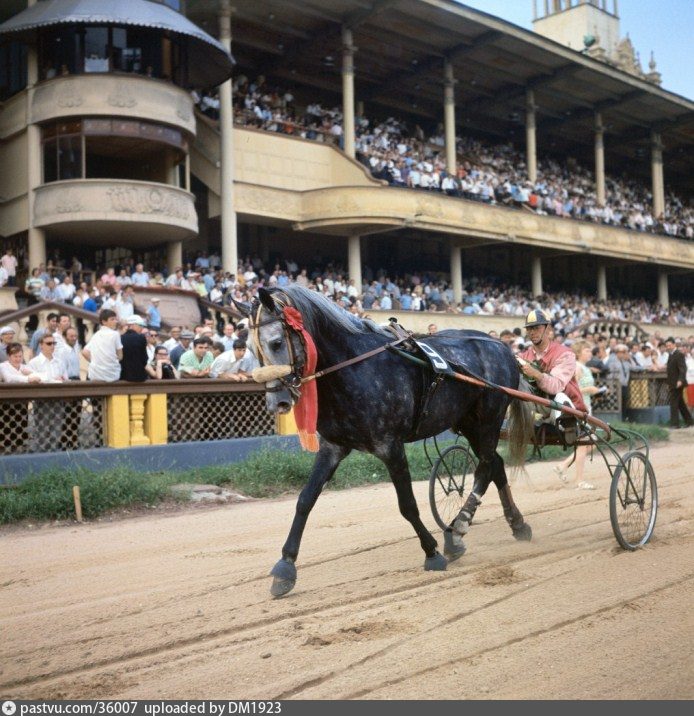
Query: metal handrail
(98, 388)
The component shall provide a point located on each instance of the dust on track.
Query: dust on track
(176, 605)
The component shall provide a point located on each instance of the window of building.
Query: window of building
(13, 69)
(102, 148)
(98, 49)
(63, 149)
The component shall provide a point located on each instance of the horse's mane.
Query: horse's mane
(320, 313)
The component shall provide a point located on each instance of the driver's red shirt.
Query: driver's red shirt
(558, 365)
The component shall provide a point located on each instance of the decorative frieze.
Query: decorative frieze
(121, 96)
(148, 200)
(67, 202)
(68, 95)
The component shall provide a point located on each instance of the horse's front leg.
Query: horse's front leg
(328, 458)
(393, 455)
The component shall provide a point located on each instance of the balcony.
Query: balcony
(120, 95)
(104, 211)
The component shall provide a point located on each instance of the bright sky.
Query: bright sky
(664, 26)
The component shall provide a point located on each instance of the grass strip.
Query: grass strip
(267, 473)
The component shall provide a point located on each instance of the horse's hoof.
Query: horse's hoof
(453, 546)
(280, 587)
(284, 573)
(437, 563)
(524, 533)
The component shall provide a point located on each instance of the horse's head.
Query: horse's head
(279, 350)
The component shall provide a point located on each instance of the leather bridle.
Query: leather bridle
(293, 381)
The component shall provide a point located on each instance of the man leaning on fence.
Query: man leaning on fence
(236, 364)
(196, 362)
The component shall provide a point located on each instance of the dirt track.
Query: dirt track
(177, 606)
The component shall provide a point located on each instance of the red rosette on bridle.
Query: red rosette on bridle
(306, 408)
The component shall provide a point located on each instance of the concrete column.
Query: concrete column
(536, 276)
(663, 293)
(354, 260)
(602, 282)
(226, 129)
(456, 272)
(599, 159)
(657, 174)
(530, 141)
(174, 255)
(348, 91)
(36, 243)
(449, 116)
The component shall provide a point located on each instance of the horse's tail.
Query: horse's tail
(520, 431)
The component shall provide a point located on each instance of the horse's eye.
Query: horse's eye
(276, 344)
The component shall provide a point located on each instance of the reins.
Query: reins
(352, 361)
(527, 397)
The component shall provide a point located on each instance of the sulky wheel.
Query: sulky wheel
(447, 483)
(633, 500)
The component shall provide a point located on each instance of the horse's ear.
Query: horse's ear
(243, 308)
(266, 299)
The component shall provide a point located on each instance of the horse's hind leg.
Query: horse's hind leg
(393, 455)
(490, 469)
(520, 528)
(327, 460)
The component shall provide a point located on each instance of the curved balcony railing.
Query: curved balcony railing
(131, 207)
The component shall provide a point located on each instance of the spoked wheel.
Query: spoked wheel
(633, 501)
(448, 481)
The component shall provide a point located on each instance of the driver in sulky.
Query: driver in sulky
(548, 366)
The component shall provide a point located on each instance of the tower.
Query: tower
(590, 25)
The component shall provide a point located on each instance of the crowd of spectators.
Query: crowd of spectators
(114, 288)
(125, 349)
(494, 174)
(130, 344)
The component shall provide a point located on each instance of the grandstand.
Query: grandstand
(570, 173)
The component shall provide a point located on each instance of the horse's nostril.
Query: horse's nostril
(284, 406)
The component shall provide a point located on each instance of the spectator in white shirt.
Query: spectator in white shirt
(125, 305)
(105, 350)
(13, 369)
(49, 367)
(66, 290)
(172, 342)
(69, 351)
(236, 364)
(140, 277)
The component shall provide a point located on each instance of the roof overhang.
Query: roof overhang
(401, 46)
(212, 63)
